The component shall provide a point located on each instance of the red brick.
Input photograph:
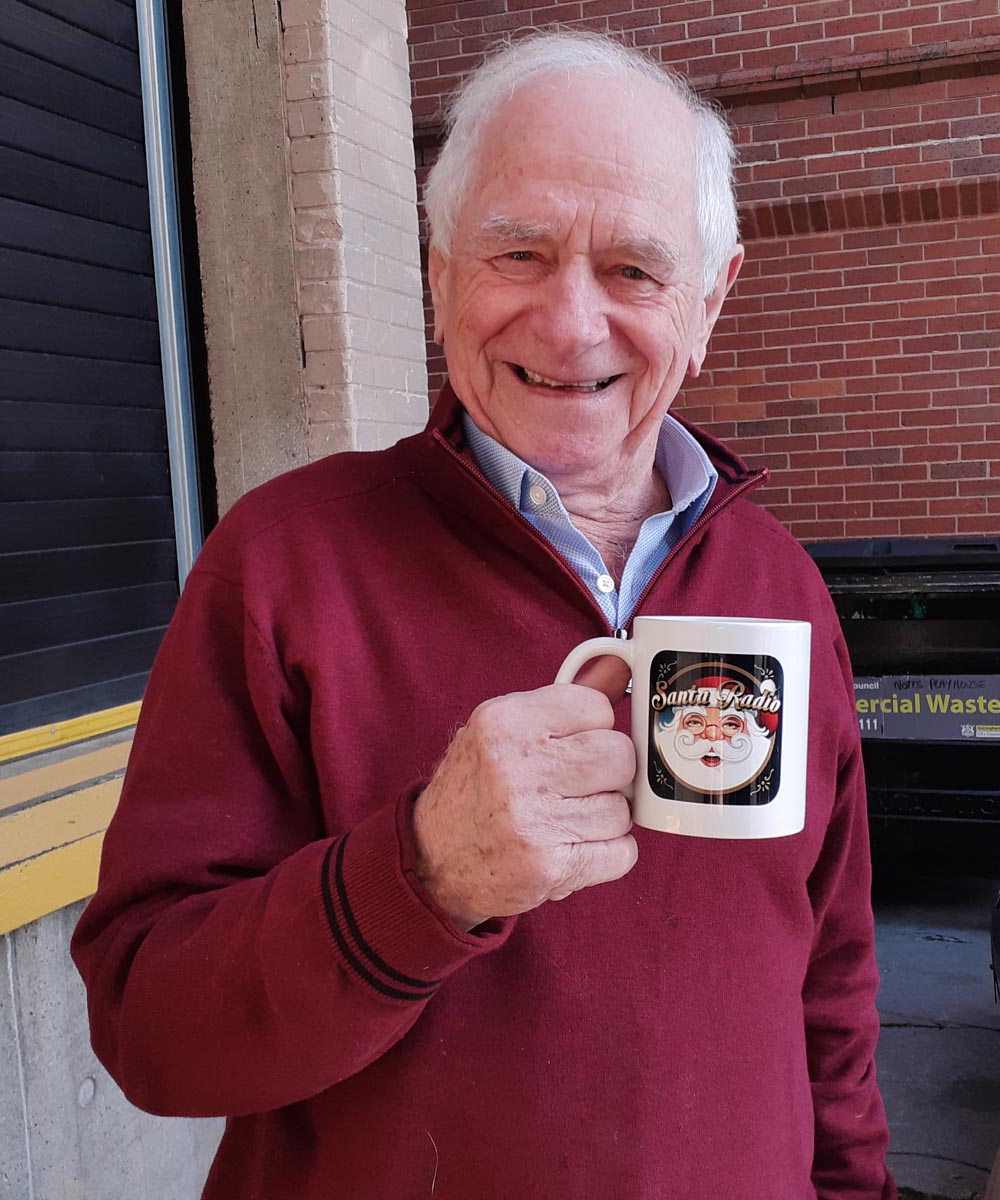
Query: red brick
(872, 420)
(912, 526)
(958, 470)
(905, 508)
(976, 525)
(876, 492)
(905, 472)
(884, 456)
(899, 437)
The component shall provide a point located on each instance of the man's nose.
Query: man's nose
(712, 733)
(573, 308)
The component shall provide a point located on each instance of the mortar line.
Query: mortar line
(8, 938)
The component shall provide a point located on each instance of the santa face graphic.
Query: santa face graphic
(711, 749)
(715, 743)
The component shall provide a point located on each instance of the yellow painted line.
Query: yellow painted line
(77, 771)
(45, 827)
(61, 733)
(45, 884)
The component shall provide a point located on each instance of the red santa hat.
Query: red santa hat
(768, 721)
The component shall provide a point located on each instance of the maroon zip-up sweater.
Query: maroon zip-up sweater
(259, 945)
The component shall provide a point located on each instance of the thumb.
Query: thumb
(606, 674)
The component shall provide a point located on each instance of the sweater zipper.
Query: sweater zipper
(570, 574)
(705, 517)
(622, 632)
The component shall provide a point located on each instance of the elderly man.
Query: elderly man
(326, 906)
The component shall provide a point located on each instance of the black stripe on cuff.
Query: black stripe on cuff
(421, 989)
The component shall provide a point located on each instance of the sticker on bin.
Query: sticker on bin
(928, 708)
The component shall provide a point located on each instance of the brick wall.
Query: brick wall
(859, 353)
(351, 167)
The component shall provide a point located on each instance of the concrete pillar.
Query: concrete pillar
(66, 1131)
(235, 79)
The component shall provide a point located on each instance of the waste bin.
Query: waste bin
(921, 618)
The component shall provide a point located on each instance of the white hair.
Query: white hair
(576, 52)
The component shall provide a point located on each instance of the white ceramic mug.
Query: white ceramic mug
(720, 719)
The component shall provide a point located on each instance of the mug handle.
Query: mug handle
(594, 648)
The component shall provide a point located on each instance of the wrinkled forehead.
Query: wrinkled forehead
(605, 134)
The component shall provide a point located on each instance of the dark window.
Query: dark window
(88, 568)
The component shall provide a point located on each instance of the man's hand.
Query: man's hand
(527, 805)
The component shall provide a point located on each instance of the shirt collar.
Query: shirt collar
(683, 464)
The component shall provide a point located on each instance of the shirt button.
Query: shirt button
(537, 495)
(605, 583)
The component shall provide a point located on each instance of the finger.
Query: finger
(607, 674)
(567, 708)
(591, 863)
(582, 764)
(599, 818)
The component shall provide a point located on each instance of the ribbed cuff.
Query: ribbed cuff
(388, 931)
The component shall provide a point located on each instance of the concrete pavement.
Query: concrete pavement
(938, 1058)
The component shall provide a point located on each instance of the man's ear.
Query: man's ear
(437, 267)
(712, 308)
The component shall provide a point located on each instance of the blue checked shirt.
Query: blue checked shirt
(687, 471)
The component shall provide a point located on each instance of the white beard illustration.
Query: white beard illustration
(711, 767)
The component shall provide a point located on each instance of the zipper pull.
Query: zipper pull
(621, 635)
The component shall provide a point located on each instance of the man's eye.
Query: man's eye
(633, 273)
(519, 255)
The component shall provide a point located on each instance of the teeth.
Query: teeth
(584, 386)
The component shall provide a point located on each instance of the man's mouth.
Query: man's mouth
(711, 760)
(581, 385)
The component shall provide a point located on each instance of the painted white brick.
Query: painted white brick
(300, 12)
(373, 202)
(378, 435)
(311, 79)
(320, 264)
(327, 368)
(320, 298)
(316, 189)
(324, 333)
(315, 227)
(313, 154)
(392, 275)
(382, 172)
(331, 437)
(383, 404)
(353, 190)
(359, 262)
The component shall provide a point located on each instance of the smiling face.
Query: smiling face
(570, 301)
(713, 750)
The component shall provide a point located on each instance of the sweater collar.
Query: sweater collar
(446, 422)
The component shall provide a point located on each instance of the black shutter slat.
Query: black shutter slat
(33, 425)
(46, 37)
(44, 231)
(54, 89)
(42, 280)
(55, 187)
(63, 524)
(25, 376)
(29, 675)
(106, 18)
(40, 475)
(88, 569)
(60, 705)
(88, 561)
(41, 624)
(67, 141)
(52, 330)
